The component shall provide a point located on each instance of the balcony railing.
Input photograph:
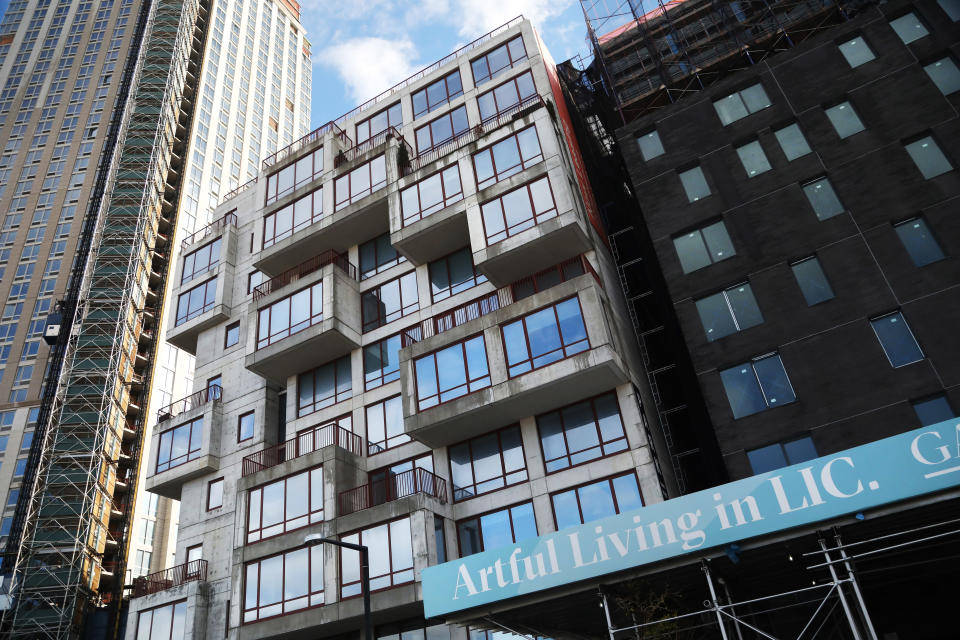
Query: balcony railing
(395, 487)
(211, 394)
(346, 156)
(195, 571)
(305, 268)
(246, 185)
(212, 228)
(305, 141)
(490, 302)
(314, 440)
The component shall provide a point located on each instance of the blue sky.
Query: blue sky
(363, 47)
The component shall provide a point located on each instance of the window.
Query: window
(245, 425)
(231, 335)
(442, 129)
(487, 463)
(945, 74)
(324, 386)
(360, 182)
(581, 432)
(822, 198)
(703, 247)
(496, 529)
(179, 445)
(392, 116)
(147, 531)
(214, 494)
(741, 104)
(694, 184)
(909, 27)
(792, 141)
(254, 279)
(507, 157)
(391, 557)
(194, 553)
(290, 315)
(452, 372)
(753, 158)
(440, 538)
(929, 411)
(518, 210)
(951, 8)
(757, 385)
(381, 362)
(453, 274)
(650, 145)
(12, 497)
(596, 500)
(287, 220)
(3, 443)
(928, 157)
(896, 339)
(163, 623)
(919, 242)
(5, 526)
(545, 336)
(812, 280)
(389, 301)
(507, 95)
(729, 311)
(200, 261)
(844, 119)
(497, 61)
(431, 194)
(284, 505)
(294, 176)
(856, 51)
(781, 454)
(385, 426)
(378, 255)
(214, 387)
(196, 301)
(283, 583)
(437, 94)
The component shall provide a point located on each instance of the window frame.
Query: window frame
(929, 233)
(309, 516)
(402, 436)
(367, 386)
(816, 259)
(273, 179)
(352, 198)
(752, 363)
(499, 175)
(449, 97)
(743, 102)
(703, 242)
(498, 109)
(508, 508)
(226, 335)
(212, 262)
(359, 533)
(783, 449)
(913, 336)
(336, 399)
(379, 267)
(504, 474)
(368, 324)
(601, 443)
(408, 218)
(310, 595)
(173, 605)
(468, 382)
(270, 234)
(315, 290)
(453, 131)
(491, 75)
(519, 227)
(191, 454)
(478, 277)
(576, 492)
(724, 292)
(222, 493)
(207, 305)
(367, 121)
(565, 349)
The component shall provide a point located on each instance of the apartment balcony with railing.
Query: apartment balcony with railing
(177, 598)
(305, 316)
(392, 488)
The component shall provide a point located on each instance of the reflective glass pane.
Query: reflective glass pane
(919, 241)
(823, 199)
(933, 410)
(845, 120)
(694, 184)
(951, 7)
(730, 109)
(945, 75)
(812, 280)
(596, 501)
(524, 524)
(650, 145)
(627, 492)
(755, 98)
(744, 305)
(718, 241)
(715, 316)
(767, 458)
(928, 157)
(897, 339)
(800, 450)
(743, 390)
(691, 251)
(792, 142)
(753, 158)
(856, 51)
(909, 27)
(773, 379)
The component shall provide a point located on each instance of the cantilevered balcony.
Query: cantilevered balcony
(315, 439)
(392, 488)
(181, 574)
(186, 442)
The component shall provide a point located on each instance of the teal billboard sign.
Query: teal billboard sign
(885, 471)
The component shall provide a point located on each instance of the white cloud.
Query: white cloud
(369, 66)
(477, 18)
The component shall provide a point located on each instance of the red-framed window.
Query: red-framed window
(246, 423)
(295, 175)
(377, 255)
(284, 583)
(231, 334)
(453, 274)
(360, 182)
(287, 220)
(518, 210)
(214, 495)
(437, 94)
(507, 95)
(596, 499)
(179, 445)
(431, 194)
(166, 622)
(581, 432)
(487, 463)
(201, 260)
(452, 372)
(392, 116)
(196, 301)
(544, 336)
(391, 557)
(194, 553)
(497, 61)
(389, 301)
(442, 129)
(386, 483)
(385, 425)
(324, 386)
(507, 157)
(285, 505)
(496, 529)
(254, 279)
(381, 362)
(290, 315)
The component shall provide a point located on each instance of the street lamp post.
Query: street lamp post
(316, 538)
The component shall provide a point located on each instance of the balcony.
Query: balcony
(181, 593)
(287, 343)
(399, 486)
(304, 444)
(179, 575)
(202, 303)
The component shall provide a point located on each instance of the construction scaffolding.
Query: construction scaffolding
(65, 561)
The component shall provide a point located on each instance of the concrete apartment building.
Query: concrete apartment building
(408, 334)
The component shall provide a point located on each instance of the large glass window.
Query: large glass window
(283, 583)
(287, 504)
(897, 339)
(451, 372)
(507, 95)
(487, 463)
(844, 119)
(951, 8)
(441, 129)
(378, 255)
(431, 194)
(650, 145)
(496, 529)
(360, 182)
(741, 104)
(518, 210)
(287, 220)
(507, 157)
(196, 301)
(200, 261)
(545, 336)
(753, 158)
(385, 426)
(596, 500)
(792, 141)
(391, 557)
(812, 280)
(294, 176)
(703, 247)
(581, 432)
(453, 274)
(163, 623)
(392, 116)
(390, 301)
(437, 94)
(781, 454)
(694, 184)
(822, 198)
(919, 242)
(497, 61)
(757, 385)
(856, 51)
(246, 424)
(324, 386)
(729, 311)
(381, 362)
(928, 157)
(933, 410)
(290, 315)
(909, 27)
(179, 445)
(945, 74)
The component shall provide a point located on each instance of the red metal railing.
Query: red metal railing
(212, 228)
(345, 156)
(195, 571)
(246, 185)
(313, 440)
(304, 268)
(398, 486)
(305, 141)
(212, 393)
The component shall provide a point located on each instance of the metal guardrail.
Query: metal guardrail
(195, 571)
(305, 141)
(397, 486)
(211, 394)
(246, 185)
(346, 156)
(305, 268)
(303, 444)
(212, 228)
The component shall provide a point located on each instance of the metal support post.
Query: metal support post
(606, 612)
(868, 623)
(713, 599)
(733, 612)
(854, 628)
